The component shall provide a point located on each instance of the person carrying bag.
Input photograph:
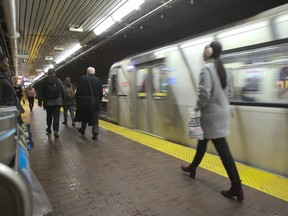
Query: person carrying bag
(88, 99)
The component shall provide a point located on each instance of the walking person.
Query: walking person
(31, 94)
(215, 87)
(87, 84)
(51, 96)
(19, 92)
(69, 103)
(8, 96)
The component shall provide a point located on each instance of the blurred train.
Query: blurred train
(153, 91)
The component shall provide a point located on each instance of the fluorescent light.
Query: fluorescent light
(126, 8)
(68, 53)
(242, 29)
(197, 41)
(107, 23)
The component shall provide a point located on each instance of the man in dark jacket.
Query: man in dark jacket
(52, 94)
(89, 116)
(7, 94)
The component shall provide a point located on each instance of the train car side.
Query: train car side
(153, 91)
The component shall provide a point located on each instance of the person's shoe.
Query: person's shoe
(235, 190)
(64, 122)
(95, 136)
(81, 132)
(191, 169)
(48, 130)
(73, 124)
(56, 134)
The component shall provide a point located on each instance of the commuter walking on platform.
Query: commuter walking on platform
(69, 103)
(215, 87)
(8, 95)
(51, 96)
(31, 94)
(18, 90)
(89, 85)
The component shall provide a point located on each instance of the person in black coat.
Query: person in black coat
(8, 96)
(82, 115)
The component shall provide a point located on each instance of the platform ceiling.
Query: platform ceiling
(44, 25)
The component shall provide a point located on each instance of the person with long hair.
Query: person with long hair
(215, 87)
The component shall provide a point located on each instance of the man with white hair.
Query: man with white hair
(89, 85)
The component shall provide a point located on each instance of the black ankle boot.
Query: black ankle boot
(235, 190)
(191, 169)
(81, 131)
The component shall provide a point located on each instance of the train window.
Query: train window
(142, 82)
(159, 82)
(259, 75)
(113, 84)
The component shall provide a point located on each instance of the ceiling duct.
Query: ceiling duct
(9, 8)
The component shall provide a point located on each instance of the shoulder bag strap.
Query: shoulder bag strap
(90, 86)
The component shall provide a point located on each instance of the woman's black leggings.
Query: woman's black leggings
(224, 153)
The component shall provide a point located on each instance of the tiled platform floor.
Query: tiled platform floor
(117, 176)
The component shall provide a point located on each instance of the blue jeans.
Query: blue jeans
(71, 109)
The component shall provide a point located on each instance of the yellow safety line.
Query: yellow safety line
(266, 182)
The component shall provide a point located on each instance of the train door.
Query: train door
(124, 99)
(112, 107)
(151, 84)
(119, 97)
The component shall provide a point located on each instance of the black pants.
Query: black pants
(31, 102)
(224, 153)
(95, 124)
(53, 114)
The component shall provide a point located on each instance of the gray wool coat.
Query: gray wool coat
(213, 102)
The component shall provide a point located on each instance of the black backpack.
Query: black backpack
(52, 88)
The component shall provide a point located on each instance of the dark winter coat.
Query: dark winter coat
(51, 101)
(84, 90)
(7, 93)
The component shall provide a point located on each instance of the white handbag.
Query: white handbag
(194, 125)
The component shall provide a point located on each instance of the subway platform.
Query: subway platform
(127, 173)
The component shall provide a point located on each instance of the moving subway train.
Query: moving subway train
(153, 91)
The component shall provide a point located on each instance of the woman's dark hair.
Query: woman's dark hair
(217, 49)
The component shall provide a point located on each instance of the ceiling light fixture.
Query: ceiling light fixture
(68, 53)
(122, 11)
(107, 23)
(126, 8)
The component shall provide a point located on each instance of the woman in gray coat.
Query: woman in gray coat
(215, 87)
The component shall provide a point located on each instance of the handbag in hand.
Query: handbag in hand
(194, 125)
(87, 103)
